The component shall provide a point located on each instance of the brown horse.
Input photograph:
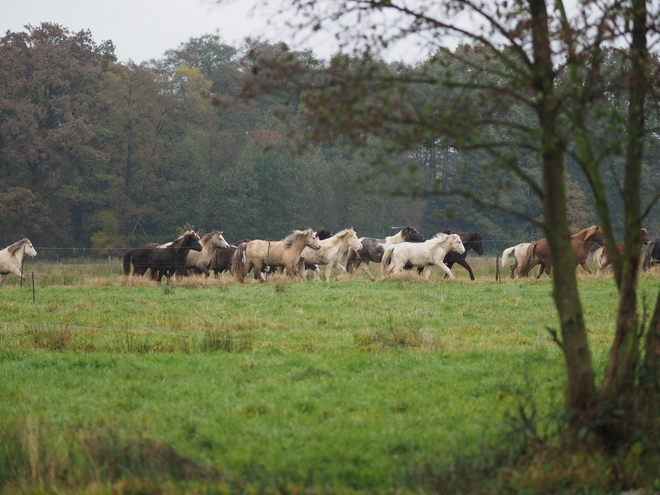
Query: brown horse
(164, 260)
(603, 258)
(538, 253)
(259, 253)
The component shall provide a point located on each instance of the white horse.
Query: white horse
(373, 249)
(519, 252)
(421, 254)
(11, 258)
(332, 249)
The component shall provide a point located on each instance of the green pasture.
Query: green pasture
(348, 386)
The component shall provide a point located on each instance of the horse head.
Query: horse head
(219, 241)
(353, 241)
(456, 243)
(410, 234)
(323, 234)
(646, 240)
(311, 239)
(190, 241)
(475, 241)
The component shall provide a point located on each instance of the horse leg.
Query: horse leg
(365, 268)
(426, 271)
(2, 278)
(328, 272)
(513, 268)
(465, 265)
(449, 264)
(586, 267)
(446, 269)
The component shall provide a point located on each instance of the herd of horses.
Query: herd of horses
(305, 250)
(528, 255)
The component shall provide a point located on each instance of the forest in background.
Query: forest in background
(101, 155)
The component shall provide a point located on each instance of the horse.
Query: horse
(470, 240)
(164, 260)
(11, 258)
(259, 253)
(519, 252)
(222, 258)
(538, 253)
(321, 235)
(373, 249)
(329, 254)
(602, 256)
(421, 254)
(652, 255)
(128, 256)
(211, 243)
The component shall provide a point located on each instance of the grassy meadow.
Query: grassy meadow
(113, 385)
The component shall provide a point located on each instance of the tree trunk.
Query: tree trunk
(580, 387)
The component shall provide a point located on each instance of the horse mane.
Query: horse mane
(17, 245)
(345, 232)
(586, 233)
(295, 235)
(474, 236)
(207, 237)
(178, 243)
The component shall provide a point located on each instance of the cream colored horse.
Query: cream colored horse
(329, 254)
(258, 254)
(11, 258)
(210, 244)
(421, 254)
(519, 252)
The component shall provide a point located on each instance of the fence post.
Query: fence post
(497, 265)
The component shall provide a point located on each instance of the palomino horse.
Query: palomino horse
(259, 253)
(519, 252)
(538, 253)
(329, 254)
(200, 260)
(11, 258)
(373, 249)
(421, 254)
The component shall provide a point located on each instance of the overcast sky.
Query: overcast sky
(141, 29)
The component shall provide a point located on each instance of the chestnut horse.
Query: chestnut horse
(538, 253)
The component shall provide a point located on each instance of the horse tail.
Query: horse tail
(529, 259)
(127, 262)
(506, 253)
(353, 261)
(387, 258)
(238, 262)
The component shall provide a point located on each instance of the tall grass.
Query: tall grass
(351, 386)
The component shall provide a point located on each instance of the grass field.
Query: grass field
(210, 386)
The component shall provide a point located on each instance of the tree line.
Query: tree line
(102, 155)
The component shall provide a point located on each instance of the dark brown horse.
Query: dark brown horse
(471, 240)
(373, 249)
(163, 260)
